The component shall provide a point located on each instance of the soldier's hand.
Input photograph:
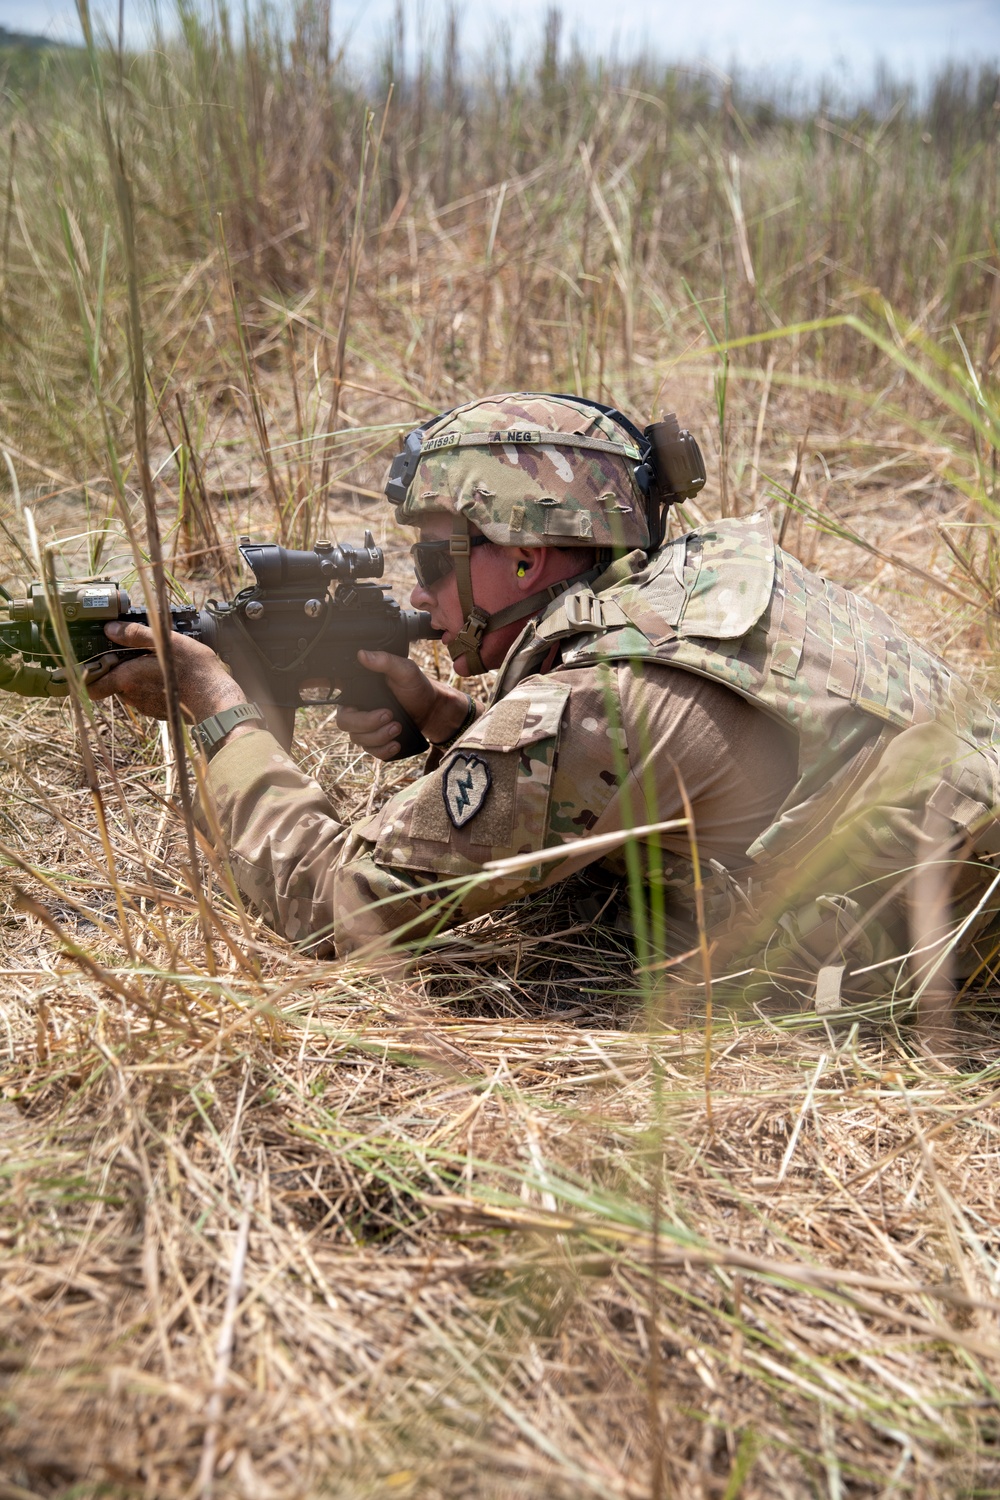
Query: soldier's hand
(203, 684)
(435, 708)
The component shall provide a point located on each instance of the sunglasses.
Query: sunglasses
(433, 561)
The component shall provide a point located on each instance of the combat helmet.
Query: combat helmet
(534, 470)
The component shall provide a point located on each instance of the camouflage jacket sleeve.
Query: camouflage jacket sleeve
(418, 864)
(589, 750)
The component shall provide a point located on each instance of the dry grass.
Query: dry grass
(279, 1228)
(451, 1283)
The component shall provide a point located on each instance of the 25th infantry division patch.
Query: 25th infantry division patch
(466, 783)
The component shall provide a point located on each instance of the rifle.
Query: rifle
(283, 632)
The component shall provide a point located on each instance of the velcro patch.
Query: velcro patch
(466, 783)
(506, 726)
(558, 523)
(444, 825)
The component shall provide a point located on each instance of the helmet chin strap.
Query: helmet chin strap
(478, 623)
(470, 638)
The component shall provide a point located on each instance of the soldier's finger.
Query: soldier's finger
(138, 675)
(361, 721)
(104, 687)
(377, 743)
(379, 738)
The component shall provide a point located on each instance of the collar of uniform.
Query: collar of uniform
(534, 644)
(522, 660)
(620, 571)
(535, 640)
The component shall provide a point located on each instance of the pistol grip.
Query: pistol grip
(370, 690)
(280, 720)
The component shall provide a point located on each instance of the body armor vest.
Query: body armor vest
(726, 603)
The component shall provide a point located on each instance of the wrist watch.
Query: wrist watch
(211, 731)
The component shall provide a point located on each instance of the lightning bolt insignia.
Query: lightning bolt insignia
(463, 787)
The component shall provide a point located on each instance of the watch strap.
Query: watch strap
(211, 731)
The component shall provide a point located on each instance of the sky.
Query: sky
(834, 38)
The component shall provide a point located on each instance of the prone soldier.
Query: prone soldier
(840, 778)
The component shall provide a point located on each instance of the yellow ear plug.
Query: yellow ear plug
(522, 568)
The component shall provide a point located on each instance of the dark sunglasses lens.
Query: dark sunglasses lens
(431, 563)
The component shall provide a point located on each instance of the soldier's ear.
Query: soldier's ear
(526, 562)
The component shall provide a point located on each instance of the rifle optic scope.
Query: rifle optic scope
(97, 599)
(276, 567)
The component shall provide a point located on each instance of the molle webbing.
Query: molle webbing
(724, 603)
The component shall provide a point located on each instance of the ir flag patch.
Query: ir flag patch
(466, 782)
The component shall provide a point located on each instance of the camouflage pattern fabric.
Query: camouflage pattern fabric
(29, 680)
(894, 762)
(890, 738)
(531, 471)
(568, 755)
(726, 603)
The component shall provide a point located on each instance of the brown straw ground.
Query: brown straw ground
(272, 1228)
(279, 1228)
(290, 1229)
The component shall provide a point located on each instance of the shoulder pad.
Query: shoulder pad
(530, 712)
(715, 583)
(728, 577)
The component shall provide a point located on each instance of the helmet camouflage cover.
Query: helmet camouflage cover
(531, 471)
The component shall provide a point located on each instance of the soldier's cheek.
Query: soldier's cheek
(446, 612)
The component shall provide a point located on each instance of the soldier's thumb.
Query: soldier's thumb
(130, 634)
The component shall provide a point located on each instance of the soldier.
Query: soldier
(833, 781)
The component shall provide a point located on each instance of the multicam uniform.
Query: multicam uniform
(824, 753)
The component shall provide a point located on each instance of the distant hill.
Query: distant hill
(30, 63)
(27, 39)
